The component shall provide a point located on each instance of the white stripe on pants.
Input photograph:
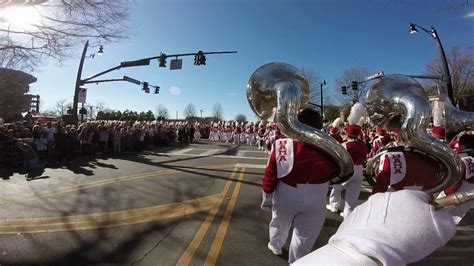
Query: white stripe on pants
(304, 208)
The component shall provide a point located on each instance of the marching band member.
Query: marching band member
(401, 170)
(250, 134)
(438, 129)
(358, 151)
(237, 132)
(380, 141)
(393, 228)
(466, 145)
(294, 186)
(197, 131)
(334, 130)
(261, 136)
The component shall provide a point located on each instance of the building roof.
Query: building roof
(16, 77)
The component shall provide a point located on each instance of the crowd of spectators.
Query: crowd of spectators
(60, 143)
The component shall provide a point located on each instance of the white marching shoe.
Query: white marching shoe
(276, 251)
(331, 208)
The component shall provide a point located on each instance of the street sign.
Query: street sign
(176, 64)
(375, 75)
(82, 95)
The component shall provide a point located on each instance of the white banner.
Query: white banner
(82, 95)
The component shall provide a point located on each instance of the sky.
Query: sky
(324, 36)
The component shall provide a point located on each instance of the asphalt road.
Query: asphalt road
(196, 204)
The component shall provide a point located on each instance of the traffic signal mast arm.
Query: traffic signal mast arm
(125, 78)
(145, 62)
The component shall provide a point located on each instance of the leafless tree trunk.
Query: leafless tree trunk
(218, 111)
(352, 74)
(61, 26)
(61, 107)
(190, 110)
(314, 82)
(461, 66)
(162, 111)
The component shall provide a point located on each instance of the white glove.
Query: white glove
(396, 227)
(266, 201)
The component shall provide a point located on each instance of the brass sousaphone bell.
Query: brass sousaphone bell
(277, 92)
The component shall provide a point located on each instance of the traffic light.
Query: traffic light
(200, 58)
(157, 89)
(83, 111)
(354, 85)
(162, 60)
(145, 87)
(344, 90)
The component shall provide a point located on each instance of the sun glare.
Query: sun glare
(20, 17)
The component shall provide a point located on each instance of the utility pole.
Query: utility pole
(78, 81)
(201, 113)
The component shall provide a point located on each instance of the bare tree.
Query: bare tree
(61, 106)
(352, 74)
(461, 66)
(60, 26)
(218, 111)
(314, 82)
(190, 110)
(162, 111)
(100, 106)
(240, 118)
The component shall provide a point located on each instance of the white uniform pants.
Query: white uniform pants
(304, 208)
(236, 138)
(251, 139)
(352, 187)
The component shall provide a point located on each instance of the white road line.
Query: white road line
(259, 166)
(466, 228)
(180, 152)
(209, 152)
(240, 153)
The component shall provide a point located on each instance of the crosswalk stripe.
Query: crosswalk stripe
(181, 151)
(241, 153)
(209, 152)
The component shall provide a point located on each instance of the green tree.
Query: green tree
(100, 115)
(150, 116)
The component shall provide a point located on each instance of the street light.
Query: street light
(321, 89)
(79, 74)
(446, 74)
(101, 50)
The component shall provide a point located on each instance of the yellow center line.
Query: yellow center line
(107, 219)
(194, 245)
(222, 230)
(106, 182)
